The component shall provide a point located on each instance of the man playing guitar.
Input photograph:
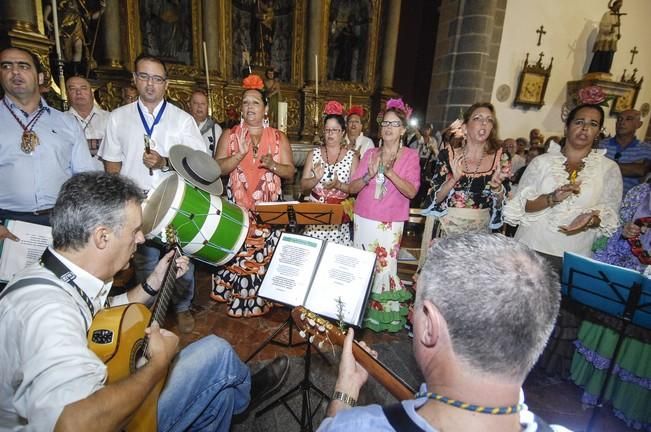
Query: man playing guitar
(51, 380)
(485, 307)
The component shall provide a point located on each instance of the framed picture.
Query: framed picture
(533, 84)
(625, 101)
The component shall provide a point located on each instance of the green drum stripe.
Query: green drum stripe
(226, 236)
(193, 203)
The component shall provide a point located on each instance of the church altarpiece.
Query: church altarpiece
(259, 34)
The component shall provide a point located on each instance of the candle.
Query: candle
(316, 74)
(350, 101)
(282, 116)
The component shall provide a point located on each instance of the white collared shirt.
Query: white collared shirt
(46, 363)
(209, 139)
(94, 127)
(124, 141)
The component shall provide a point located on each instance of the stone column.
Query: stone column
(465, 60)
(110, 35)
(18, 15)
(390, 44)
(211, 32)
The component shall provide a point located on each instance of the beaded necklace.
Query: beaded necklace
(511, 409)
(331, 166)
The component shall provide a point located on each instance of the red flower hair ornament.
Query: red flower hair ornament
(356, 110)
(333, 107)
(253, 82)
(399, 105)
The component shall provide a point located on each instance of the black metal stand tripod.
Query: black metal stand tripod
(304, 388)
(288, 323)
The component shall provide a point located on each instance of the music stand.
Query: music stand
(293, 215)
(304, 387)
(619, 292)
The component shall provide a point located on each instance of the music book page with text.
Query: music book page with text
(320, 275)
(15, 256)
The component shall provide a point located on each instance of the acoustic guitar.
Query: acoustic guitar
(117, 337)
(321, 331)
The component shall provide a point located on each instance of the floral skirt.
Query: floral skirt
(387, 309)
(237, 282)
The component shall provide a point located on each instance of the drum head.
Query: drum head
(156, 207)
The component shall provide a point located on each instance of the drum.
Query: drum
(207, 227)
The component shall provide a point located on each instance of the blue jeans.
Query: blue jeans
(144, 262)
(207, 385)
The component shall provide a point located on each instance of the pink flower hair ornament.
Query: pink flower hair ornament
(333, 108)
(399, 105)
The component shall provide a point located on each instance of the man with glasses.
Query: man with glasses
(40, 148)
(632, 155)
(137, 142)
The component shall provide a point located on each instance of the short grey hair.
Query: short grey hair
(499, 298)
(88, 200)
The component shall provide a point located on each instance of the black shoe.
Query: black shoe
(268, 380)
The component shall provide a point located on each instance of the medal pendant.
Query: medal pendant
(29, 142)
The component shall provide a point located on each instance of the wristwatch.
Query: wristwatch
(345, 398)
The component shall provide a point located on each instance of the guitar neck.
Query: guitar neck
(385, 376)
(167, 290)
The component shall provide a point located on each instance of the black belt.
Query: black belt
(45, 212)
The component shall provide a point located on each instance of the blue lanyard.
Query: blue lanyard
(150, 130)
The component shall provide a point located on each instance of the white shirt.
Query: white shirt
(94, 127)
(517, 162)
(601, 189)
(46, 363)
(124, 141)
(209, 139)
(362, 144)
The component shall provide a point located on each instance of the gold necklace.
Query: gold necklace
(255, 145)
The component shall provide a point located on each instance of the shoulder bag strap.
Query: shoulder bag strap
(399, 419)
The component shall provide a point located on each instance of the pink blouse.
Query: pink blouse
(393, 206)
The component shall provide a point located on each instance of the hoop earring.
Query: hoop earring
(265, 122)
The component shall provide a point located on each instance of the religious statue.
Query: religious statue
(74, 19)
(609, 33)
(263, 32)
(167, 29)
(345, 44)
(272, 85)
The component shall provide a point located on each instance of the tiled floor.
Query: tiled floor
(554, 400)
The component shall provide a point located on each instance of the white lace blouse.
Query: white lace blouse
(601, 189)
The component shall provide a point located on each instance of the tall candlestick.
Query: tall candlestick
(350, 101)
(316, 74)
(205, 63)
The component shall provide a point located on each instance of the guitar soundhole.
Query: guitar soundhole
(138, 358)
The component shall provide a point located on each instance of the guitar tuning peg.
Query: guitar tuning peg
(320, 345)
(321, 328)
(303, 316)
(311, 322)
(311, 339)
(302, 334)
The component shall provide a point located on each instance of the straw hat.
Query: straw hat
(197, 167)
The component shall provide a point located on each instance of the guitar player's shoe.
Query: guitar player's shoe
(185, 321)
(268, 380)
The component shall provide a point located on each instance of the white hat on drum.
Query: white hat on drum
(197, 167)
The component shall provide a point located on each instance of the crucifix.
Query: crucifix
(633, 52)
(541, 31)
(540, 57)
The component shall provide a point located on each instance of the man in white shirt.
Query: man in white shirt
(210, 130)
(50, 378)
(91, 118)
(153, 121)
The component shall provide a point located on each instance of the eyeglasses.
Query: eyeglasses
(395, 123)
(331, 131)
(144, 76)
(581, 123)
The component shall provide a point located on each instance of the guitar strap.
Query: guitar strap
(399, 419)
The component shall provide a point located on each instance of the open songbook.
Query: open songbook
(15, 256)
(329, 279)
